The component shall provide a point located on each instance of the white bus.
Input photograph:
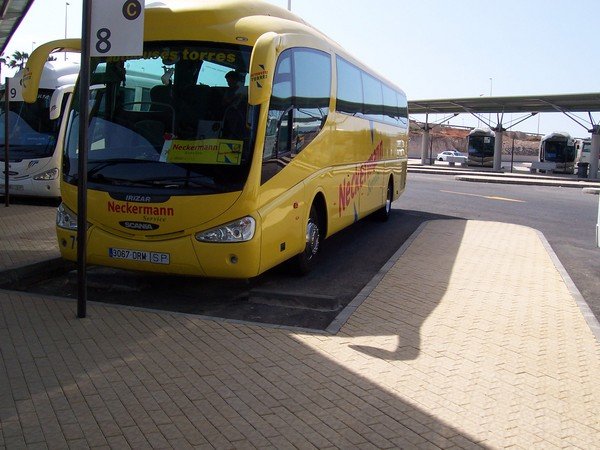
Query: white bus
(583, 148)
(480, 147)
(36, 131)
(558, 147)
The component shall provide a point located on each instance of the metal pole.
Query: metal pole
(66, 5)
(6, 132)
(594, 152)
(425, 140)
(498, 147)
(490, 115)
(512, 156)
(84, 88)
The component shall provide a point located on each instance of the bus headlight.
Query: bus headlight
(65, 218)
(240, 230)
(48, 175)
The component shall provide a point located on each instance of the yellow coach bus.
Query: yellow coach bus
(261, 138)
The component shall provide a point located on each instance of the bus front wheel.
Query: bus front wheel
(305, 261)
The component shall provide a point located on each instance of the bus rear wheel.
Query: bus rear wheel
(305, 261)
(383, 214)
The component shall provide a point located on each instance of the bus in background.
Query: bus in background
(36, 131)
(229, 179)
(559, 148)
(480, 147)
(583, 148)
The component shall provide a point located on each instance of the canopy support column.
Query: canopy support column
(425, 141)
(498, 134)
(594, 152)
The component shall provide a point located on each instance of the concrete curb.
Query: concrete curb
(526, 181)
(45, 268)
(586, 312)
(351, 307)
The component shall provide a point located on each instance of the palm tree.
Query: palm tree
(18, 59)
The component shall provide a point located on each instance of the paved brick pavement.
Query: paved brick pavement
(27, 235)
(433, 357)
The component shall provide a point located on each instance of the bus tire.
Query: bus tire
(383, 214)
(305, 261)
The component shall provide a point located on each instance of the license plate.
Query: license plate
(139, 255)
(12, 187)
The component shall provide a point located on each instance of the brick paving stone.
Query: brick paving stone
(432, 358)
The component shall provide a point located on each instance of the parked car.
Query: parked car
(443, 156)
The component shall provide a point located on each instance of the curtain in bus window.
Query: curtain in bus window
(312, 90)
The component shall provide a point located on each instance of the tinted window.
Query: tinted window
(298, 108)
(312, 89)
(373, 106)
(360, 93)
(312, 78)
(402, 109)
(349, 90)
(390, 105)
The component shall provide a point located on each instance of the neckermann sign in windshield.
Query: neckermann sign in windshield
(117, 28)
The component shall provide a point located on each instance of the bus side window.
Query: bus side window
(277, 138)
(298, 108)
(312, 91)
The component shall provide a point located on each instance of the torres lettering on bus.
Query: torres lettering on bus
(348, 190)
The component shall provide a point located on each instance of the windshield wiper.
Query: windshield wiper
(99, 178)
(183, 182)
(113, 162)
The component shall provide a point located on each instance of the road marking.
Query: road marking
(491, 197)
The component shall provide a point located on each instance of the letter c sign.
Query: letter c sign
(117, 28)
(132, 9)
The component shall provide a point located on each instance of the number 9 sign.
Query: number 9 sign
(15, 90)
(117, 28)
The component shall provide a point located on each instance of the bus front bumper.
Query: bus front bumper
(179, 256)
(30, 187)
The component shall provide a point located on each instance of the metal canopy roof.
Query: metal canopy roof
(516, 104)
(11, 14)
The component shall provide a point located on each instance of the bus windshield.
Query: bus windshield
(559, 151)
(32, 134)
(176, 119)
(481, 146)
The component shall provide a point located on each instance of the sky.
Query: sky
(433, 48)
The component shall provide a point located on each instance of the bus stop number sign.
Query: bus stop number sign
(117, 28)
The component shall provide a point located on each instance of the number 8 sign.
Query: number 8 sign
(117, 28)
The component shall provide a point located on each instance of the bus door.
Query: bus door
(291, 80)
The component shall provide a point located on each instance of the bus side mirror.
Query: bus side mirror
(56, 100)
(35, 64)
(262, 66)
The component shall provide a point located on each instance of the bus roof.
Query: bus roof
(557, 135)
(215, 11)
(481, 132)
(56, 74)
(239, 22)
(234, 21)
